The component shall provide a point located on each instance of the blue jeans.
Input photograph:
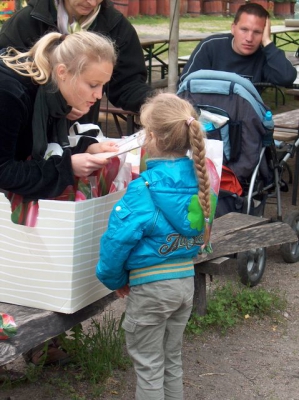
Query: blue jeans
(155, 320)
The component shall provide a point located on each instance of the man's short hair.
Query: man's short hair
(253, 9)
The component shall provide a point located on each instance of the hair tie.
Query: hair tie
(189, 120)
(62, 37)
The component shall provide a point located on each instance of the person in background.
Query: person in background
(128, 88)
(248, 50)
(153, 234)
(37, 90)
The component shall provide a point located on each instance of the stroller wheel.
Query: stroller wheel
(251, 265)
(286, 170)
(290, 251)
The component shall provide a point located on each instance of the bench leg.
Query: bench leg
(200, 293)
(130, 124)
(117, 124)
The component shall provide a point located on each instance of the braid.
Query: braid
(198, 149)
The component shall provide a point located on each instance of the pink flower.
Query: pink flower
(32, 214)
(79, 196)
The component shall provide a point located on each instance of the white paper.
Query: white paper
(125, 145)
(217, 119)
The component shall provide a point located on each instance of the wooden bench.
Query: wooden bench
(294, 89)
(292, 57)
(131, 118)
(118, 114)
(162, 67)
(231, 233)
(293, 92)
(264, 86)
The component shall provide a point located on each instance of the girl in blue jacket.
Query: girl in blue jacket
(154, 232)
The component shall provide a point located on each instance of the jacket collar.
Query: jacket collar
(107, 19)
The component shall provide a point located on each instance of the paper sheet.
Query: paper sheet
(125, 145)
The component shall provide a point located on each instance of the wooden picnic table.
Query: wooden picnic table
(231, 233)
(285, 34)
(156, 45)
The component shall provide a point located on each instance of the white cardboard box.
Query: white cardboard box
(52, 266)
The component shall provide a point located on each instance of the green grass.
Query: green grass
(232, 304)
(99, 351)
(95, 354)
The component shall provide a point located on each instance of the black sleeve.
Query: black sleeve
(21, 31)
(278, 69)
(82, 144)
(128, 88)
(30, 178)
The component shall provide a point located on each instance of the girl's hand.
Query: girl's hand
(122, 292)
(103, 147)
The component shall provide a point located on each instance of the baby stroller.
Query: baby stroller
(251, 169)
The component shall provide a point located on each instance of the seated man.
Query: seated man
(247, 50)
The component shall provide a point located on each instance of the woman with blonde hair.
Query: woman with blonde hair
(38, 88)
(154, 232)
(127, 88)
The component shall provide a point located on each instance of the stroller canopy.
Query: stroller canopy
(235, 97)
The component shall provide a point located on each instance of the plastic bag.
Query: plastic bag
(8, 327)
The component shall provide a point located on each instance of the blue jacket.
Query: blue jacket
(156, 229)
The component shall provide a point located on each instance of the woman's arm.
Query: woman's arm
(37, 179)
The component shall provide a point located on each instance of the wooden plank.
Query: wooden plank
(271, 234)
(292, 58)
(285, 136)
(160, 83)
(232, 222)
(217, 266)
(288, 119)
(35, 326)
(294, 92)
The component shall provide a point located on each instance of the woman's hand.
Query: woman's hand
(122, 292)
(84, 164)
(103, 147)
